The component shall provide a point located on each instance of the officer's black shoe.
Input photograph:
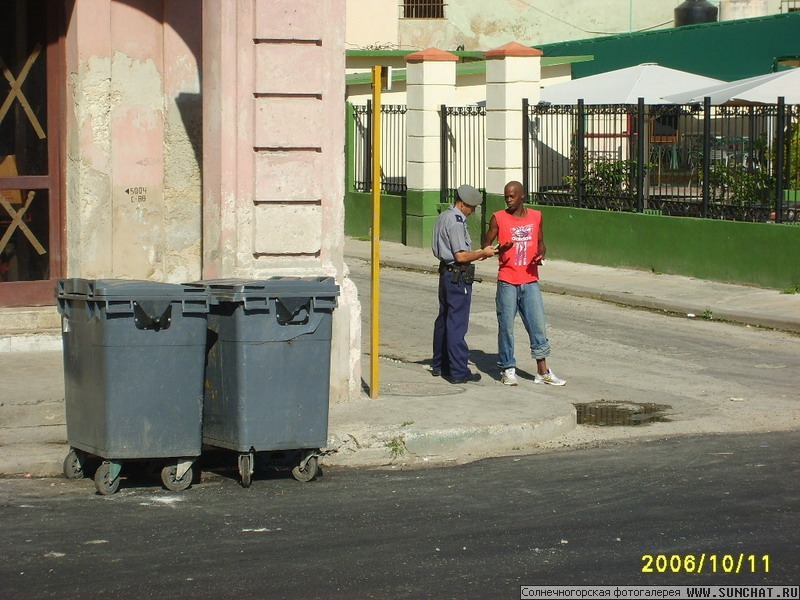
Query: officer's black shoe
(469, 378)
(436, 372)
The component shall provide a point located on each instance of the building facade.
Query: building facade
(174, 140)
(479, 25)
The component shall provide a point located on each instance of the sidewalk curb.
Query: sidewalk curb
(389, 446)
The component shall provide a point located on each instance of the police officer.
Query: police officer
(452, 245)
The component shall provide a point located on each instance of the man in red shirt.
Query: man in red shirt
(518, 229)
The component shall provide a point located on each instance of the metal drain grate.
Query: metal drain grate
(606, 412)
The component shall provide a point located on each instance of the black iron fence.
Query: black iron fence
(463, 149)
(393, 148)
(737, 163)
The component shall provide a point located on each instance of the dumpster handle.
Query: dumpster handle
(195, 305)
(192, 305)
(119, 306)
(289, 331)
(251, 303)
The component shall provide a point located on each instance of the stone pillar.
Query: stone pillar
(431, 81)
(273, 118)
(513, 72)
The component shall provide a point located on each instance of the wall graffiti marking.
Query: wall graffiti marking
(137, 194)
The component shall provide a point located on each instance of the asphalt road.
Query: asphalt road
(585, 517)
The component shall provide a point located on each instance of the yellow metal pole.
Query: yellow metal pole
(376, 233)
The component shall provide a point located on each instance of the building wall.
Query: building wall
(133, 140)
(371, 24)
(480, 25)
(730, 10)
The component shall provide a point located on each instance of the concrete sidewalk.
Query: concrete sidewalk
(418, 419)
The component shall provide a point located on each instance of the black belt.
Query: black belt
(461, 272)
(443, 266)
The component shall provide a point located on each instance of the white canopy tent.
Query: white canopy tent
(762, 89)
(613, 136)
(625, 86)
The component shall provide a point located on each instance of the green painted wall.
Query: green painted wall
(358, 216)
(725, 50)
(399, 222)
(760, 254)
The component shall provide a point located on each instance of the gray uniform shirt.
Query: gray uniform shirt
(450, 235)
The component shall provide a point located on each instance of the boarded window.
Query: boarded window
(32, 68)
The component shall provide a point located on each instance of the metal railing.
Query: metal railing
(463, 149)
(393, 148)
(736, 163)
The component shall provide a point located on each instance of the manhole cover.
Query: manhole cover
(607, 412)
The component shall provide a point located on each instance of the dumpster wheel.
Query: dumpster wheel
(73, 464)
(246, 468)
(104, 481)
(307, 469)
(172, 482)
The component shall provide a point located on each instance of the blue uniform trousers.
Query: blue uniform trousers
(450, 351)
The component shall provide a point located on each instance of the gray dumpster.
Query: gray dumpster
(134, 354)
(268, 370)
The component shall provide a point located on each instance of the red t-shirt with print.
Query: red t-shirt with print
(517, 265)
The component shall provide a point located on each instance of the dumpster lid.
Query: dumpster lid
(282, 287)
(128, 289)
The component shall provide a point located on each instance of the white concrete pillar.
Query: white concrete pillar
(431, 82)
(513, 72)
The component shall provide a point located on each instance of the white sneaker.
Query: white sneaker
(549, 378)
(509, 376)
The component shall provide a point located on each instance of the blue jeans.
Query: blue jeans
(527, 300)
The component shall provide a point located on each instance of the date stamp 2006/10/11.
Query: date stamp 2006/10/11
(705, 563)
